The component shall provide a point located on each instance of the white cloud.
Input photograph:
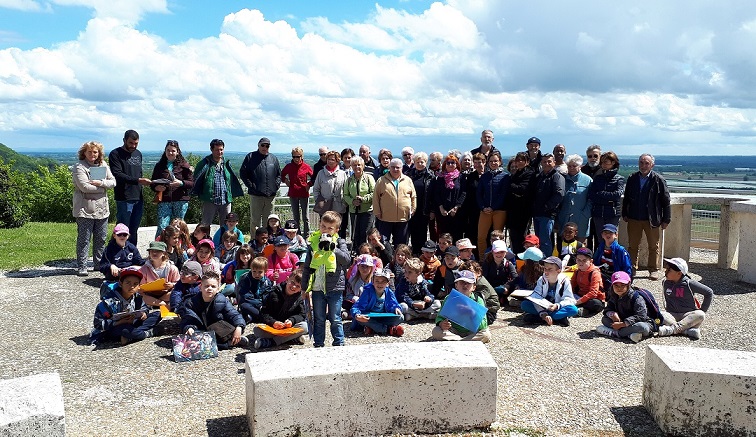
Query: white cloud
(23, 5)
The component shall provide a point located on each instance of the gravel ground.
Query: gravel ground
(552, 381)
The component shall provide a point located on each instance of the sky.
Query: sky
(670, 78)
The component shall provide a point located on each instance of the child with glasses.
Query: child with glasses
(683, 314)
(119, 254)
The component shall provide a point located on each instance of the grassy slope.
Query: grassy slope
(36, 244)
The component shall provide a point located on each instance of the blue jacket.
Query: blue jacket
(252, 291)
(620, 257)
(409, 293)
(218, 309)
(180, 294)
(122, 257)
(368, 299)
(111, 304)
(549, 192)
(575, 205)
(492, 189)
(605, 194)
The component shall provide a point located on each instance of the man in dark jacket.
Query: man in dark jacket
(261, 173)
(534, 153)
(549, 191)
(216, 184)
(646, 208)
(486, 145)
(126, 165)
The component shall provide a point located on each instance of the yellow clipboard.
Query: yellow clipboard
(286, 331)
(153, 286)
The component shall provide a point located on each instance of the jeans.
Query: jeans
(327, 304)
(166, 211)
(561, 313)
(544, 226)
(299, 207)
(642, 327)
(382, 324)
(129, 212)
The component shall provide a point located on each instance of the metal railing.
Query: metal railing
(705, 226)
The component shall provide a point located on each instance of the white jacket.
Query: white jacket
(563, 296)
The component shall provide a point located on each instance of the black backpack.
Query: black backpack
(652, 308)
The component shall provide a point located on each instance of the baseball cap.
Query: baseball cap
(429, 246)
(365, 260)
(465, 276)
(263, 140)
(452, 250)
(680, 263)
(291, 225)
(499, 246)
(384, 273)
(610, 227)
(120, 228)
(531, 253)
(533, 140)
(206, 242)
(585, 252)
(232, 217)
(533, 239)
(621, 277)
(552, 260)
(280, 241)
(192, 267)
(130, 271)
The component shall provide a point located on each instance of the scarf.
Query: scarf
(449, 178)
(332, 169)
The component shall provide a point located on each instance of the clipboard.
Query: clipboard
(371, 315)
(97, 173)
(463, 311)
(279, 332)
(153, 286)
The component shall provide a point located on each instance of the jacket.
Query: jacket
(284, 266)
(200, 314)
(463, 331)
(492, 189)
(122, 257)
(204, 176)
(335, 280)
(364, 188)
(330, 185)
(180, 294)
(180, 172)
(127, 169)
(520, 202)
(279, 306)
(575, 205)
(411, 293)
(549, 192)
(297, 177)
(588, 285)
(620, 257)
(499, 275)
(448, 198)
(631, 307)
(113, 303)
(368, 298)
(171, 273)
(252, 291)
(658, 200)
(679, 297)
(423, 182)
(605, 194)
(89, 201)
(484, 289)
(261, 174)
(563, 295)
(394, 203)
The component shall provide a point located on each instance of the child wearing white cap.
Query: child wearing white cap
(683, 314)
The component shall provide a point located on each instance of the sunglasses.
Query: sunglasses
(123, 235)
(265, 146)
(296, 156)
(406, 154)
(451, 163)
(322, 154)
(172, 143)
(671, 267)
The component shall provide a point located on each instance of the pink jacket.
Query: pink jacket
(284, 266)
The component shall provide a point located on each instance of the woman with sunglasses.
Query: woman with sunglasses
(296, 175)
(448, 196)
(172, 181)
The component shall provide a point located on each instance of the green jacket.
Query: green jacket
(461, 330)
(363, 188)
(204, 177)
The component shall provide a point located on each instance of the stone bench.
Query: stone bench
(371, 389)
(701, 392)
(32, 405)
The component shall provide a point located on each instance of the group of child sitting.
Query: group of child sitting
(283, 280)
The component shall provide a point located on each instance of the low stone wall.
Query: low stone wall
(32, 406)
(701, 392)
(371, 389)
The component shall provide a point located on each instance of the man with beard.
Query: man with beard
(126, 166)
(591, 167)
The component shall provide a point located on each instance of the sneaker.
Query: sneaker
(243, 342)
(665, 331)
(368, 330)
(396, 331)
(344, 315)
(654, 276)
(263, 343)
(563, 322)
(580, 313)
(636, 337)
(301, 340)
(693, 333)
(607, 331)
(82, 272)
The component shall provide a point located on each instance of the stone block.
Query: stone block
(701, 392)
(371, 389)
(32, 405)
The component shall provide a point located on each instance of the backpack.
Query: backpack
(652, 308)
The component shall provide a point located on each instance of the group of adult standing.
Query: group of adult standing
(466, 194)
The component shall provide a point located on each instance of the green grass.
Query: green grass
(36, 244)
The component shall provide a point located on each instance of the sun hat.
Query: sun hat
(157, 245)
(531, 253)
(465, 243)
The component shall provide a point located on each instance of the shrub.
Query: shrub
(51, 198)
(12, 211)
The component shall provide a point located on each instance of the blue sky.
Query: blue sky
(430, 75)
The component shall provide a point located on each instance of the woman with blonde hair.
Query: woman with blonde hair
(91, 178)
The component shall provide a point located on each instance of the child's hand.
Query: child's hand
(553, 307)
(288, 323)
(445, 325)
(190, 331)
(361, 318)
(169, 286)
(237, 336)
(427, 299)
(398, 311)
(418, 305)
(618, 325)
(278, 325)
(114, 270)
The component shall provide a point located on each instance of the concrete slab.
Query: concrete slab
(32, 405)
(371, 389)
(701, 392)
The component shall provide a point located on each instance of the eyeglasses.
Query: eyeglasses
(671, 267)
(406, 154)
(593, 156)
(322, 154)
(123, 235)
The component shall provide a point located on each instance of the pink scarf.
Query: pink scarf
(449, 178)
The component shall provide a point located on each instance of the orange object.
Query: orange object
(153, 286)
(286, 331)
(164, 313)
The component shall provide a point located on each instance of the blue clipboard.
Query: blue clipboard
(463, 311)
(371, 315)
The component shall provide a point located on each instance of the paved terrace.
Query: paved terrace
(552, 380)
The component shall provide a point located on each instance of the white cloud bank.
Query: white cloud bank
(631, 76)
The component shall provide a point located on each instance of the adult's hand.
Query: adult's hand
(144, 181)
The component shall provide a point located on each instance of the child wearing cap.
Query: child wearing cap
(430, 261)
(413, 294)
(450, 331)
(188, 286)
(682, 313)
(119, 254)
(466, 248)
(611, 256)
(159, 267)
(484, 289)
(555, 287)
(531, 241)
(122, 314)
(297, 243)
(231, 222)
(443, 281)
(283, 308)
(625, 315)
(281, 262)
(498, 270)
(204, 255)
(587, 285)
(377, 297)
(274, 226)
(209, 309)
(227, 251)
(529, 274)
(365, 265)
(252, 288)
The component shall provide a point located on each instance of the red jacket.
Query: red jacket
(587, 285)
(297, 176)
